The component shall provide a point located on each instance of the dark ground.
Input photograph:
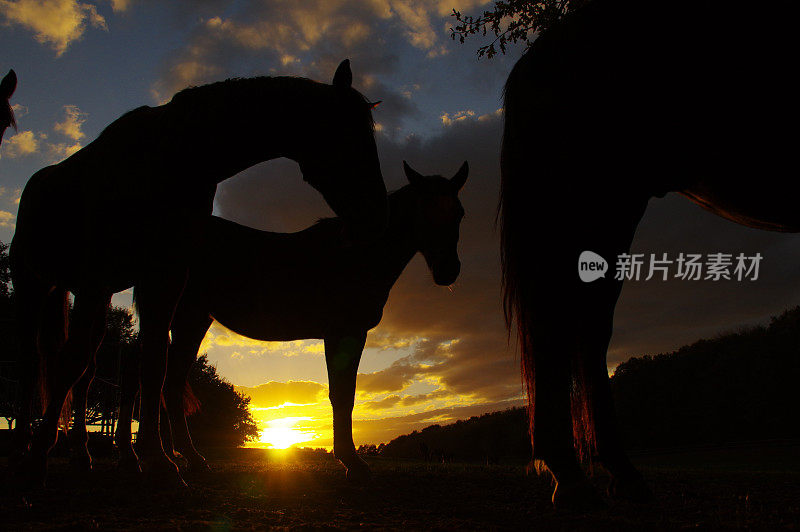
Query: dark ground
(746, 486)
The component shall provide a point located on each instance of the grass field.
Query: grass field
(755, 487)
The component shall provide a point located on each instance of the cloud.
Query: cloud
(57, 23)
(272, 394)
(6, 219)
(120, 5)
(72, 123)
(22, 144)
(57, 152)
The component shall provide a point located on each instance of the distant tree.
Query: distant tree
(5, 271)
(8, 340)
(369, 449)
(224, 418)
(511, 21)
(119, 344)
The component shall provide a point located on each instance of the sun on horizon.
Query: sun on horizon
(283, 433)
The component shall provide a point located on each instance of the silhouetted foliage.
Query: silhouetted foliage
(224, 418)
(487, 438)
(8, 339)
(736, 387)
(739, 386)
(511, 21)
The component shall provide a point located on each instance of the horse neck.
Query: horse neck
(398, 246)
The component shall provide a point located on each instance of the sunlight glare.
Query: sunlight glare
(282, 433)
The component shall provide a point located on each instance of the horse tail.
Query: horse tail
(525, 128)
(509, 218)
(191, 403)
(52, 336)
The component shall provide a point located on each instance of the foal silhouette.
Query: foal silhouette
(620, 102)
(130, 209)
(280, 287)
(7, 87)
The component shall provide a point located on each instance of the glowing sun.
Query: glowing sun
(282, 433)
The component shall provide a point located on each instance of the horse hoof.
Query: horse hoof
(198, 466)
(31, 473)
(632, 489)
(164, 475)
(359, 474)
(129, 466)
(81, 464)
(577, 497)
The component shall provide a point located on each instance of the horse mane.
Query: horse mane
(296, 85)
(12, 121)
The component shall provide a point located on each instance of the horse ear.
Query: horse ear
(412, 175)
(8, 85)
(343, 76)
(460, 178)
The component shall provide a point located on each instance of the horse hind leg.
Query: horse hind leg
(88, 320)
(42, 320)
(80, 458)
(593, 405)
(157, 298)
(189, 327)
(129, 388)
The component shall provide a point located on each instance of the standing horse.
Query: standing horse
(7, 87)
(282, 287)
(130, 208)
(621, 102)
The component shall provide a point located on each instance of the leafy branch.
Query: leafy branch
(511, 21)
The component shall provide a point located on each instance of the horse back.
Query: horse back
(284, 286)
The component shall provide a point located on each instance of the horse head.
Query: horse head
(346, 171)
(7, 87)
(436, 217)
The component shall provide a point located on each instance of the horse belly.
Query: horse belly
(763, 204)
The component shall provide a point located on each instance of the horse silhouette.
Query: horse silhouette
(130, 209)
(281, 287)
(621, 102)
(7, 88)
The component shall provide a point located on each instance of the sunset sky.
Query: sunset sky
(438, 355)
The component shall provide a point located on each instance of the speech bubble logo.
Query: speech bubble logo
(591, 266)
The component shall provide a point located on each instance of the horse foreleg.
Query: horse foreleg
(342, 356)
(88, 322)
(156, 300)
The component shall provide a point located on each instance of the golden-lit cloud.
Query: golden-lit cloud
(219, 335)
(56, 23)
(448, 119)
(72, 124)
(26, 143)
(22, 144)
(59, 151)
(271, 394)
(6, 219)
